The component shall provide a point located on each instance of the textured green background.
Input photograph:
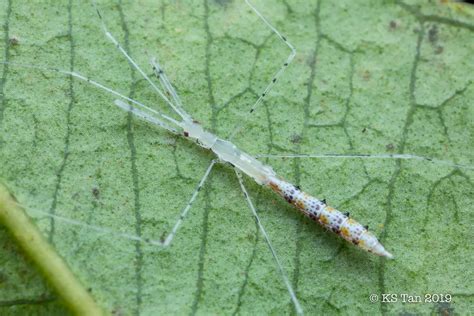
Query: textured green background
(370, 77)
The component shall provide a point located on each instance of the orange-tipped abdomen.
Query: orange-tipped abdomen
(328, 217)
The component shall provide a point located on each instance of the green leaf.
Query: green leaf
(369, 78)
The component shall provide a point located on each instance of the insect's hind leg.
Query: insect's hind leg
(168, 239)
(435, 161)
(283, 275)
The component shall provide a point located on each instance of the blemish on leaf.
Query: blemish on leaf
(393, 25)
(223, 2)
(14, 40)
(95, 192)
(433, 34)
(162, 237)
(443, 309)
(366, 75)
(13, 197)
(295, 138)
(3, 278)
(433, 38)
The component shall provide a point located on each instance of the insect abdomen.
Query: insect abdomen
(328, 217)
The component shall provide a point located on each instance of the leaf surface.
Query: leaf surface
(369, 78)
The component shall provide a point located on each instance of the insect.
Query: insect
(227, 152)
(194, 131)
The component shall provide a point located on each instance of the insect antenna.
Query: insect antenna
(165, 82)
(151, 117)
(185, 116)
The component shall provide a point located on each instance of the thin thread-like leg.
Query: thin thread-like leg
(277, 74)
(372, 156)
(178, 110)
(296, 303)
(185, 211)
(98, 229)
